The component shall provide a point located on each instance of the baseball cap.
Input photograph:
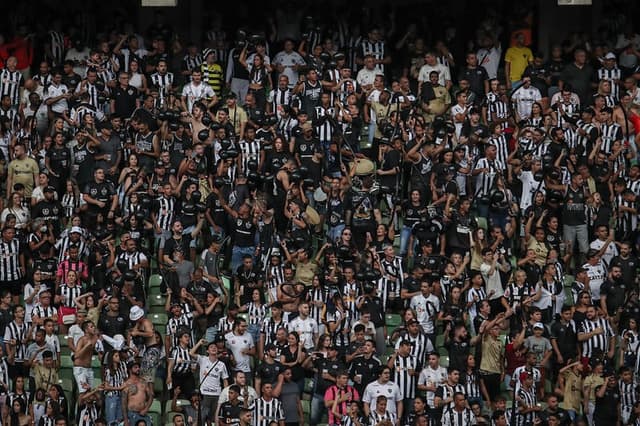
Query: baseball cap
(538, 325)
(49, 189)
(76, 229)
(610, 55)
(592, 253)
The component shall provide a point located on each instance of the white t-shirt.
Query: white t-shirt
(523, 98)
(236, 344)
(436, 377)
(443, 73)
(288, 60)
(389, 389)
(426, 309)
(493, 281)
(211, 375)
(54, 91)
(489, 59)
(610, 252)
(194, 93)
(366, 77)
(597, 274)
(306, 329)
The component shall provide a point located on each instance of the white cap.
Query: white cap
(538, 325)
(136, 313)
(75, 229)
(610, 55)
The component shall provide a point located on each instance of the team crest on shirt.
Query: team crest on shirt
(239, 222)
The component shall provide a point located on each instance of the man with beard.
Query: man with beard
(613, 293)
(137, 397)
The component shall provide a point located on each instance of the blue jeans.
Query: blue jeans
(254, 331)
(317, 409)
(135, 417)
(210, 334)
(113, 409)
(405, 236)
(236, 256)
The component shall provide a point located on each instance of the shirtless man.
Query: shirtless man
(195, 119)
(142, 326)
(137, 397)
(290, 294)
(82, 357)
(621, 114)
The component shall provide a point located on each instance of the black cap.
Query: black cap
(159, 164)
(339, 56)
(592, 253)
(49, 189)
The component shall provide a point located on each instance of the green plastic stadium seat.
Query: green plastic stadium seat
(444, 361)
(482, 223)
(156, 407)
(158, 319)
(156, 300)
(155, 281)
(65, 361)
(393, 320)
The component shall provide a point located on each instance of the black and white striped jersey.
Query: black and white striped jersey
(420, 346)
(17, 332)
(402, 367)
(451, 417)
(268, 411)
(375, 417)
(69, 294)
(502, 147)
(278, 98)
(324, 127)
(609, 133)
(10, 84)
(484, 181)
(628, 394)
(56, 48)
(116, 378)
(611, 75)
(10, 252)
(182, 360)
(164, 83)
(175, 324)
(598, 342)
(12, 116)
(249, 150)
(376, 49)
(526, 398)
(165, 210)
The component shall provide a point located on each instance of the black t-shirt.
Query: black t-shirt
(566, 339)
(606, 411)
(324, 365)
(99, 191)
(615, 292)
(268, 372)
(125, 100)
(230, 413)
(458, 352)
(183, 243)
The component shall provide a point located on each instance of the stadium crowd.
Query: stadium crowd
(317, 222)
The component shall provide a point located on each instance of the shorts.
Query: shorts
(14, 286)
(84, 378)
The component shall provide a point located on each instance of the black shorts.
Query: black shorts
(14, 286)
